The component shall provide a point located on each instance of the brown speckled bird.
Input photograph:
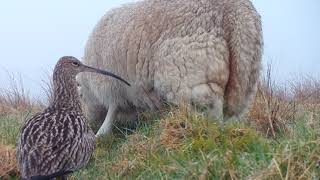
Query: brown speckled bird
(58, 140)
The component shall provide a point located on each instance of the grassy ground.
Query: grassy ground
(183, 144)
(280, 139)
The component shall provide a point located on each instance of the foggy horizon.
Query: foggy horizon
(35, 34)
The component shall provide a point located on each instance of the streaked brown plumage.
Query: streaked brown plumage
(58, 140)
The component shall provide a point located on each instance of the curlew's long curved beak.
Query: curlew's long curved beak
(95, 70)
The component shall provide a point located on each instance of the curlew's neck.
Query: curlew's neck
(65, 90)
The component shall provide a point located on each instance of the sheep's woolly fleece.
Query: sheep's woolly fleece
(207, 52)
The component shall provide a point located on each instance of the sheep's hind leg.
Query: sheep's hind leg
(107, 124)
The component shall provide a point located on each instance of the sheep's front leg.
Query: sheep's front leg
(107, 124)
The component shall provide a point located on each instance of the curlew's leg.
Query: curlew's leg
(107, 124)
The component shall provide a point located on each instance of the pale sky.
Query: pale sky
(35, 33)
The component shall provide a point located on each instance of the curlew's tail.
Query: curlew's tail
(51, 176)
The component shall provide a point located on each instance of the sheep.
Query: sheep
(205, 52)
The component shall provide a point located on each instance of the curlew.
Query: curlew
(58, 140)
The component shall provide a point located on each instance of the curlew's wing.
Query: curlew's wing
(54, 141)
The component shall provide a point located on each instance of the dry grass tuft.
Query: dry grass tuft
(15, 98)
(292, 163)
(273, 108)
(306, 90)
(8, 165)
(47, 87)
(169, 134)
(137, 146)
(175, 128)
(124, 167)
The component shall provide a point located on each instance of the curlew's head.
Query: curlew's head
(71, 66)
(64, 82)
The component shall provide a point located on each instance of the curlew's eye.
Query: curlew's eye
(75, 63)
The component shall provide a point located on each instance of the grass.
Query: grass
(279, 139)
(10, 126)
(9, 129)
(183, 144)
